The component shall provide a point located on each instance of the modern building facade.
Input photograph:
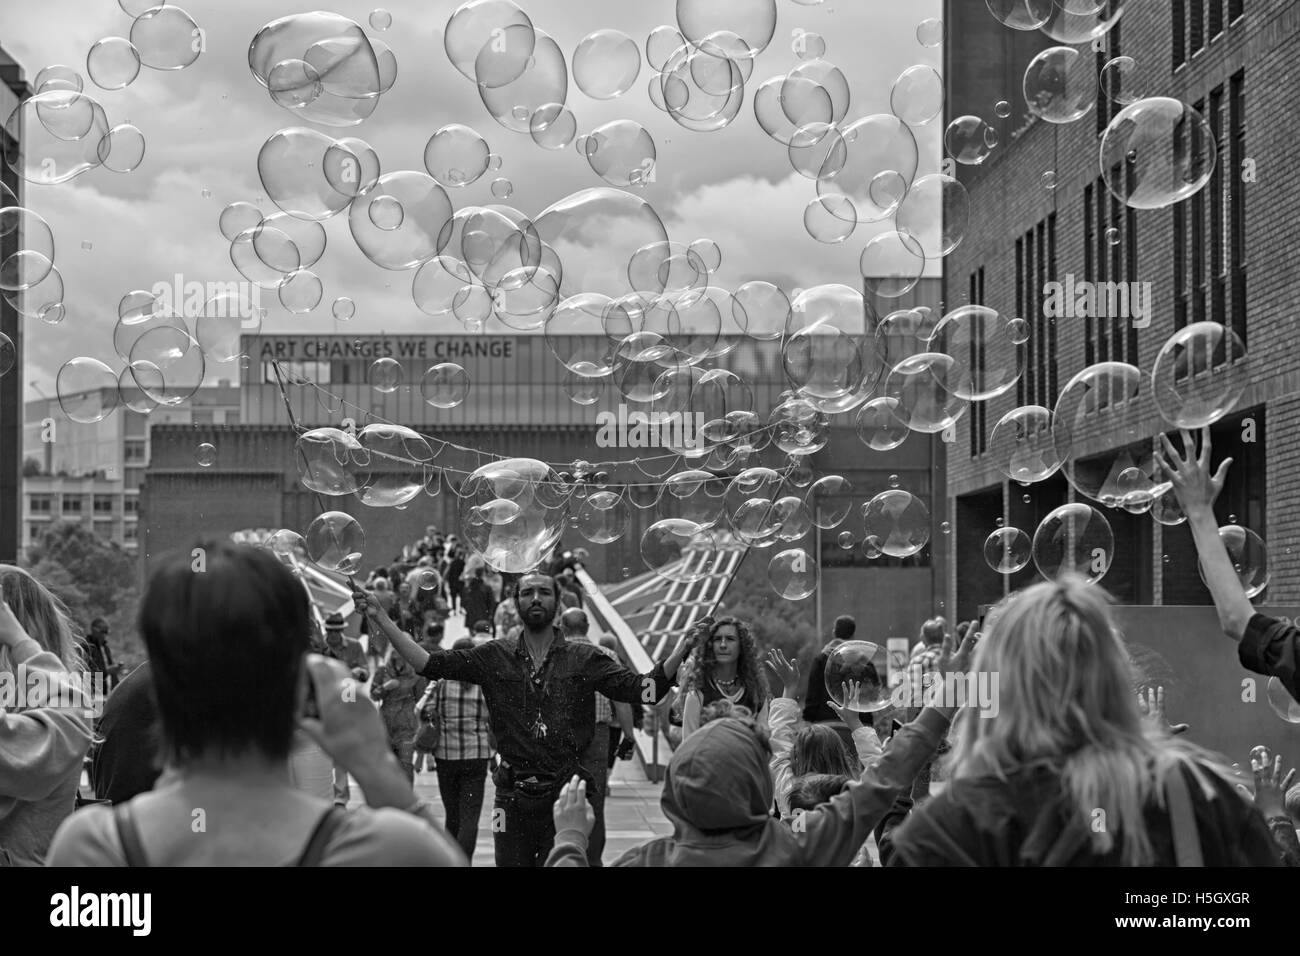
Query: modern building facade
(92, 472)
(13, 90)
(1219, 256)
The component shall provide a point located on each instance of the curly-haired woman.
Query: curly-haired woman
(723, 666)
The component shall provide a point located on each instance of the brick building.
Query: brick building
(1220, 256)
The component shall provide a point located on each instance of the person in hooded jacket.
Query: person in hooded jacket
(718, 795)
(1068, 772)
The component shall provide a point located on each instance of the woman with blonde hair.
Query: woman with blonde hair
(45, 732)
(1066, 771)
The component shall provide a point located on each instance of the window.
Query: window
(40, 504)
(130, 505)
(1196, 27)
(104, 504)
(1180, 33)
(297, 373)
(1237, 200)
(134, 450)
(978, 411)
(1236, 8)
(35, 531)
(1035, 267)
(134, 478)
(71, 505)
(1107, 50)
(1089, 264)
(130, 533)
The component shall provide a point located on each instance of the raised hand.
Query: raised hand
(1189, 473)
(786, 671)
(955, 658)
(849, 694)
(1152, 706)
(571, 810)
(1270, 785)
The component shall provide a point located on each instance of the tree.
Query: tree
(93, 578)
(32, 468)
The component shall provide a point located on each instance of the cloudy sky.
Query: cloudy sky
(205, 124)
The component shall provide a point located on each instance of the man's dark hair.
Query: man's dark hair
(483, 627)
(98, 622)
(433, 629)
(226, 644)
(811, 790)
(845, 628)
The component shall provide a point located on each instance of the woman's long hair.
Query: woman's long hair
(819, 749)
(701, 664)
(43, 615)
(1067, 701)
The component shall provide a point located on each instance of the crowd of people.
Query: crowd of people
(235, 743)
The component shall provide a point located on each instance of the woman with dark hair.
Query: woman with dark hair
(228, 650)
(723, 665)
(45, 735)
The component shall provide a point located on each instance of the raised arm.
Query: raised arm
(459, 665)
(1196, 490)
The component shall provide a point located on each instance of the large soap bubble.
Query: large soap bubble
(291, 166)
(1023, 446)
(596, 233)
(987, 360)
(874, 146)
(336, 541)
(1007, 550)
(678, 550)
(923, 389)
(1021, 14)
(1157, 152)
(166, 38)
(489, 41)
(864, 665)
(1283, 704)
(341, 80)
(1101, 431)
(1249, 558)
(897, 523)
(456, 156)
(792, 574)
(55, 136)
(87, 390)
(1061, 84)
(395, 458)
(543, 82)
(602, 517)
(606, 64)
(1199, 375)
(512, 513)
(426, 211)
(329, 460)
(1075, 538)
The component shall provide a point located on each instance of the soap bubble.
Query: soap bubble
(864, 664)
(225, 318)
(380, 19)
(1002, 109)
(426, 212)
(897, 522)
(57, 77)
(350, 166)
(61, 131)
(329, 461)
(922, 387)
(1007, 550)
(966, 140)
(395, 457)
(929, 32)
(791, 517)
(936, 213)
(829, 501)
(113, 63)
(301, 291)
(1018, 331)
(8, 354)
(846, 540)
(602, 517)
(798, 427)
(475, 25)
(168, 364)
(553, 126)
(1249, 558)
(1023, 446)
(1157, 152)
(239, 217)
(668, 545)
(205, 455)
(291, 168)
(754, 21)
(336, 542)
(445, 385)
(793, 574)
(622, 153)
(595, 233)
(917, 95)
(1061, 85)
(544, 80)
(879, 426)
(165, 38)
(456, 156)
(1199, 375)
(606, 64)
(1082, 21)
(892, 264)
(830, 219)
(1121, 82)
(1075, 538)
(1166, 509)
(1021, 14)
(1100, 427)
(872, 145)
(31, 237)
(522, 542)
(122, 148)
(761, 309)
(87, 390)
(1283, 704)
(975, 330)
(42, 300)
(694, 495)
(385, 375)
(294, 84)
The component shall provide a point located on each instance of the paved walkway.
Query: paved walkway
(632, 814)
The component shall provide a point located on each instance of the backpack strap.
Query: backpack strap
(1187, 841)
(129, 835)
(321, 836)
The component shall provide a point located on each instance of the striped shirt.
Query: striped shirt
(463, 715)
(605, 709)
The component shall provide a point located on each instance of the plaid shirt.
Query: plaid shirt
(605, 709)
(464, 718)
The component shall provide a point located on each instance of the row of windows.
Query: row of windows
(1035, 267)
(1109, 255)
(1197, 23)
(43, 503)
(1210, 228)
